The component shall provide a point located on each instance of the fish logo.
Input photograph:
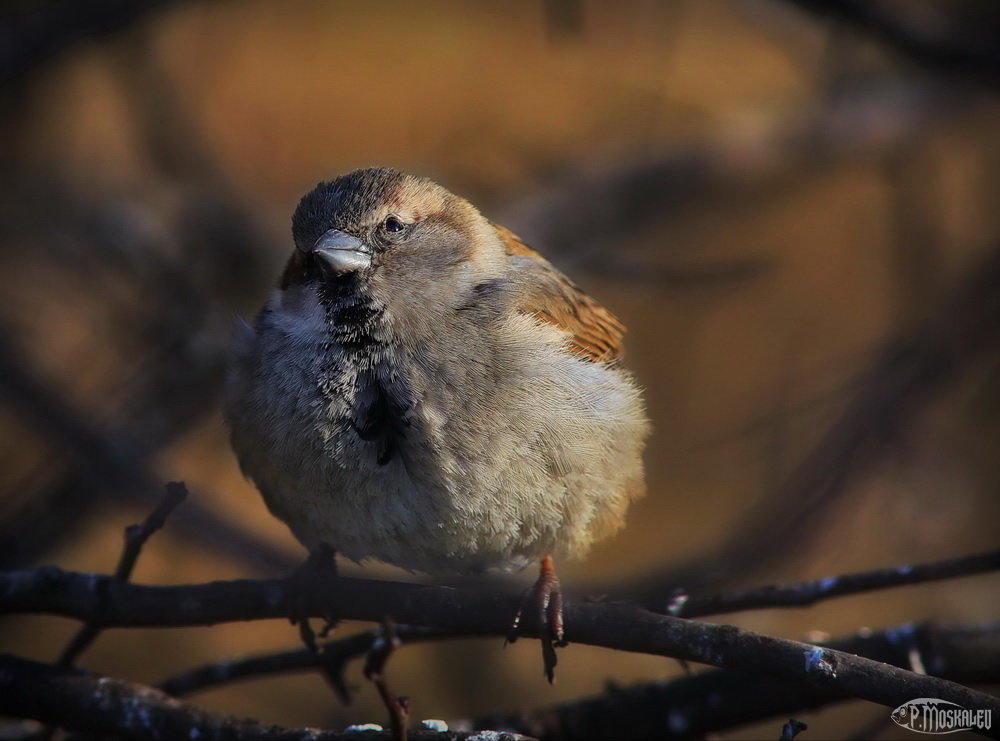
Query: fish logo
(930, 715)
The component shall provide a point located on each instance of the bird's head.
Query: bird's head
(402, 240)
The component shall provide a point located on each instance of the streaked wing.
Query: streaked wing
(595, 333)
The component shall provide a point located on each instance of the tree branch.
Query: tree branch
(690, 706)
(718, 700)
(805, 593)
(334, 655)
(111, 603)
(135, 538)
(114, 708)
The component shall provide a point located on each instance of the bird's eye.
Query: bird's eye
(393, 224)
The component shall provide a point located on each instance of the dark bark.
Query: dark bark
(803, 594)
(110, 603)
(718, 700)
(114, 708)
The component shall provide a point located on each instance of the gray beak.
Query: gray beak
(341, 253)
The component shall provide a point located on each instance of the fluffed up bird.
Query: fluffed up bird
(424, 389)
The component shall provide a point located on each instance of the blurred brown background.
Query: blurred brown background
(765, 197)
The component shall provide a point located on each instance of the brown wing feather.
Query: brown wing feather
(552, 297)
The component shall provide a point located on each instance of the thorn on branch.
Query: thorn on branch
(135, 538)
(792, 729)
(398, 707)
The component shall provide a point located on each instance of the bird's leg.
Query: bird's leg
(321, 565)
(545, 596)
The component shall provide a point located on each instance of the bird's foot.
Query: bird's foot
(545, 597)
(321, 565)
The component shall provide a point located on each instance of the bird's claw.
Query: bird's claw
(545, 596)
(320, 565)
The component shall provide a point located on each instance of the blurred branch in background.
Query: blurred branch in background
(175, 322)
(35, 32)
(956, 39)
(907, 372)
(107, 464)
(863, 123)
(735, 167)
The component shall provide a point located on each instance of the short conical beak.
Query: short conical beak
(341, 253)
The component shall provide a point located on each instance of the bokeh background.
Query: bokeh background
(774, 202)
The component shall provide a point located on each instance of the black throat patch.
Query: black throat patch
(353, 320)
(381, 400)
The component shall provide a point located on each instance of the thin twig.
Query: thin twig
(399, 708)
(802, 594)
(135, 538)
(332, 658)
(692, 705)
(137, 535)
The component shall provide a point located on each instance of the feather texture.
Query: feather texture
(595, 333)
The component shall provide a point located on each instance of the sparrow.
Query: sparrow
(424, 389)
